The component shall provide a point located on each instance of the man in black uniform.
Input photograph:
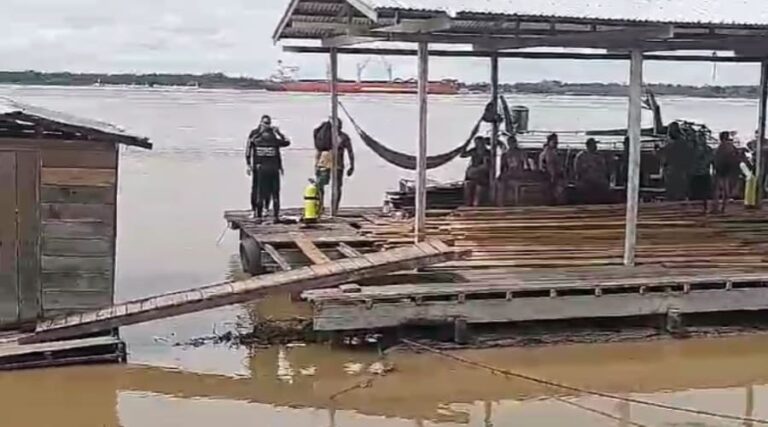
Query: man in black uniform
(265, 165)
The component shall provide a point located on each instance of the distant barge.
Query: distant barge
(382, 86)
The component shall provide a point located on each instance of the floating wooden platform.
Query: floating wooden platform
(208, 297)
(540, 263)
(13, 355)
(518, 295)
(267, 247)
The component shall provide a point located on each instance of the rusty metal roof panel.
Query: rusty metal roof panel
(716, 12)
(17, 111)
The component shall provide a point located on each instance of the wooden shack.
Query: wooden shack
(58, 196)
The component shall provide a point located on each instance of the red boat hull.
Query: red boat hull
(435, 88)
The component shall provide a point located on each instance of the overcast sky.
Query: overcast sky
(234, 37)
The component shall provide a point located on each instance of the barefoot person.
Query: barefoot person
(265, 166)
(477, 175)
(513, 167)
(592, 176)
(550, 163)
(700, 182)
(727, 168)
(324, 159)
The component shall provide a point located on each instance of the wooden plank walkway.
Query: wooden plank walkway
(208, 297)
(310, 250)
(527, 295)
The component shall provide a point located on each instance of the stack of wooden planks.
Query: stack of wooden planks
(669, 234)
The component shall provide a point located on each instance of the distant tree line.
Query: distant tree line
(210, 80)
(223, 81)
(554, 87)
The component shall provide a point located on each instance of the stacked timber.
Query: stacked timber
(669, 234)
(439, 196)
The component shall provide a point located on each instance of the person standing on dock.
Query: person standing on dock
(324, 159)
(476, 178)
(265, 166)
(676, 156)
(700, 182)
(550, 163)
(727, 164)
(593, 181)
(513, 167)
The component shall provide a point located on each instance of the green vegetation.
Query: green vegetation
(210, 81)
(222, 81)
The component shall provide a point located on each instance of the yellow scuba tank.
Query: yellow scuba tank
(750, 192)
(311, 203)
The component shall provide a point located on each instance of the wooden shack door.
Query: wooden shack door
(19, 241)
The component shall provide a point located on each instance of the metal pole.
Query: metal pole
(495, 125)
(421, 156)
(749, 410)
(759, 144)
(333, 78)
(633, 177)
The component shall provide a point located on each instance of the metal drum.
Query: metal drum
(520, 115)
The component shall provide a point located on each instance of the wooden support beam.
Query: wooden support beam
(421, 153)
(633, 177)
(333, 79)
(610, 56)
(495, 128)
(311, 250)
(584, 39)
(760, 153)
(406, 26)
(279, 259)
(348, 40)
(348, 251)
(364, 8)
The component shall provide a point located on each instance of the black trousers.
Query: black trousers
(265, 188)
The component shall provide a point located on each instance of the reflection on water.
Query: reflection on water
(170, 210)
(726, 375)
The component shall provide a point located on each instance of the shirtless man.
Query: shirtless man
(513, 165)
(592, 176)
(550, 163)
(477, 175)
(727, 161)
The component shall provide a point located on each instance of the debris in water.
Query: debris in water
(353, 368)
(308, 372)
(381, 368)
(295, 345)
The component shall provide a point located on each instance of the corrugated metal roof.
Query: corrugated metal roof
(742, 12)
(9, 107)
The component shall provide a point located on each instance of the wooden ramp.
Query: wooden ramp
(208, 297)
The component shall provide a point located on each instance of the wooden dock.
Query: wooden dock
(296, 280)
(505, 295)
(536, 264)
(266, 248)
(14, 355)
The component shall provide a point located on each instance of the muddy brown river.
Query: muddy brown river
(170, 237)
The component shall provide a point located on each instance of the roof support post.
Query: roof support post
(421, 156)
(633, 178)
(333, 80)
(760, 143)
(495, 127)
